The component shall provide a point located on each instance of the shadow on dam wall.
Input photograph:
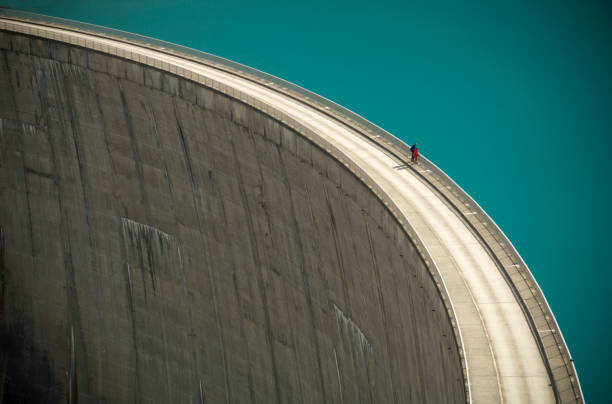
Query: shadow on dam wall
(162, 242)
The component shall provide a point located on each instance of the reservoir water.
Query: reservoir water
(513, 101)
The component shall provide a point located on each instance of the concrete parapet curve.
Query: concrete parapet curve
(179, 229)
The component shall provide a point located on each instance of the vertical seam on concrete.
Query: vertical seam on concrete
(381, 303)
(24, 169)
(303, 271)
(138, 162)
(290, 317)
(337, 246)
(196, 364)
(72, 299)
(243, 334)
(349, 246)
(109, 154)
(26, 184)
(138, 232)
(259, 270)
(127, 259)
(195, 195)
(91, 241)
(149, 110)
(340, 260)
(339, 379)
(317, 249)
(4, 324)
(192, 334)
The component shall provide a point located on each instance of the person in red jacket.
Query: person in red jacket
(415, 155)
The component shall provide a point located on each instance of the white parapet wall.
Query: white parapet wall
(511, 349)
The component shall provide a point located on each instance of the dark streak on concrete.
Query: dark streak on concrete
(334, 232)
(91, 234)
(286, 291)
(306, 283)
(381, 304)
(149, 110)
(196, 199)
(135, 360)
(260, 278)
(266, 237)
(340, 261)
(3, 317)
(72, 297)
(137, 160)
(243, 335)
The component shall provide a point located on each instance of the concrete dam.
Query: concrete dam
(175, 227)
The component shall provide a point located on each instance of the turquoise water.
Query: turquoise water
(513, 101)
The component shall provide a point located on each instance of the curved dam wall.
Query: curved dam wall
(163, 242)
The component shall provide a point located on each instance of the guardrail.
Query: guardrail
(67, 37)
(553, 348)
(543, 325)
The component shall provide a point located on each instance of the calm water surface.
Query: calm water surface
(513, 101)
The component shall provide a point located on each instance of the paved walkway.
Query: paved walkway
(504, 364)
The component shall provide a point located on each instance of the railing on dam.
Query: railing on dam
(541, 320)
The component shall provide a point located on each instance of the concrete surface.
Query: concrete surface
(165, 243)
(362, 277)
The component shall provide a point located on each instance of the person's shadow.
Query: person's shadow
(401, 167)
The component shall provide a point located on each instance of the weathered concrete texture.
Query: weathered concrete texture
(164, 243)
